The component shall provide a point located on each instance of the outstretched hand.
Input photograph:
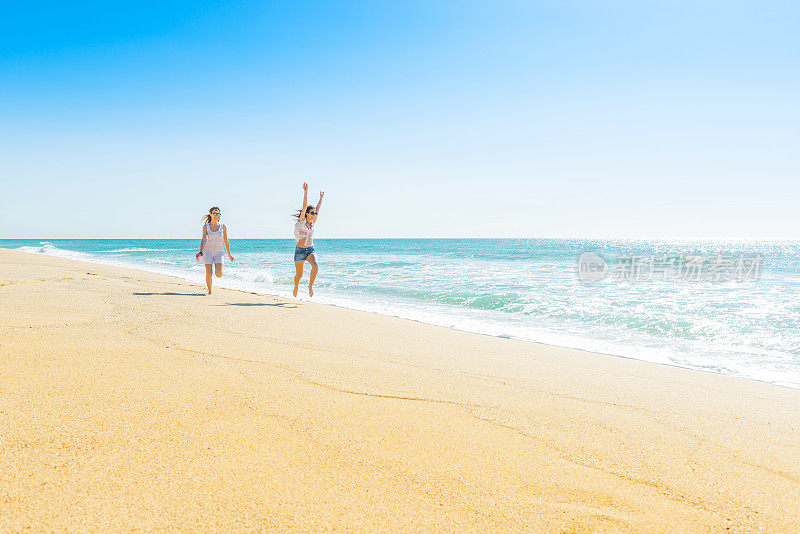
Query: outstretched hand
(305, 186)
(321, 194)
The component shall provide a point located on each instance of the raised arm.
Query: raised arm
(202, 243)
(319, 204)
(305, 202)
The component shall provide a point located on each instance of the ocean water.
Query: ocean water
(526, 289)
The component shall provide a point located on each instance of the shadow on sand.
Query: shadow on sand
(276, 304)
(173, 293)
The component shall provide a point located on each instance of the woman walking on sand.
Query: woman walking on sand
(215, 236)
(304, 234)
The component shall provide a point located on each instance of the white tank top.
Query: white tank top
(303, 231)
(214, 241)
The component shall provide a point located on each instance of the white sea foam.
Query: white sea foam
(49, 249)
(141, 249)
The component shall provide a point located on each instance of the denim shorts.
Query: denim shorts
(301, 253)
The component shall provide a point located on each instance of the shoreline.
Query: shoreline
(578, 345)
(130, 400)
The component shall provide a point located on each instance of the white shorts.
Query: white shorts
(211, 256)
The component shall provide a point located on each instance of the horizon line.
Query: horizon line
(607, 238)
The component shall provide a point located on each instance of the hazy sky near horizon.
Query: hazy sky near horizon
(418, 119)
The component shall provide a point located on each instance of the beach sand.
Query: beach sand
(130, 401)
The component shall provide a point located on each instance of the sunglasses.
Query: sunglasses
(311, 213)
(218, 214)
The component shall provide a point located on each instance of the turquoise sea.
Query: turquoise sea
(526, 289)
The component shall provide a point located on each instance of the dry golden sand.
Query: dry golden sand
(129, 401)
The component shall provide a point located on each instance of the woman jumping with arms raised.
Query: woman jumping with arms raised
(304, 234)
(215, 236)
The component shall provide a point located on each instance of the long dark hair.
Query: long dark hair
(297, 213)
(207, 218)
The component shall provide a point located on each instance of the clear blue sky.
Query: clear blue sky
(455, 118)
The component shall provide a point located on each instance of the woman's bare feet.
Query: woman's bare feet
(294, 293)
(310, 291)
